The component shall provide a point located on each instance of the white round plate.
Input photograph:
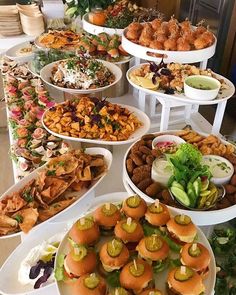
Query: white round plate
(46, 71)
(137, 134)
(223, 95)
(32, 69)
(10, 268)
(95, 30)
(200, 218)
(12, 52)
(64, 289)
(190, 56)
(81, 194)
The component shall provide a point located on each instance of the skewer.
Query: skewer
(129, 221)
(182, 270)
(113, 244)
(82, 221)
(157, 203)
(182, 216)
(135, 265)
(108, 206)
(194, 246)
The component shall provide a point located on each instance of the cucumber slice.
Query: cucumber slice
(181, 196)
(197, 185)
(191, 194)
(177, 184)
(205, 185)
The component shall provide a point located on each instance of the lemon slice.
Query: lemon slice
(146, 83)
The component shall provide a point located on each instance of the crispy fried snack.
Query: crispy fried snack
(92, 118)
(50, 192)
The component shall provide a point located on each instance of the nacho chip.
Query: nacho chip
(54, 208)
(7, 230)
(64, 164)
(78, 186)
(11, 204)
(6, 221)
(29, 218)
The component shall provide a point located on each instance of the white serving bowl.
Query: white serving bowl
(201, 94)
(167, 137)
(217, 169)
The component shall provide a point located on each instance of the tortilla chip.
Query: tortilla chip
(78, 186)
(64, 164)
(54, 208)
(97, 162)
(7, 230)
(30, 217)
(6, 221)
(98, 172)
(40, 200)
(11, 204)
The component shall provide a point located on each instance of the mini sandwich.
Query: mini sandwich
(134, 207)
(151, 292)
(84, 232)
(197, 257)
(184, 281)
(113, 255)
(153, 248)
(157, 214)
(89, 284)
(136, 275)
(80, 261)
(107, 216)
(182, 229)
(129, 230)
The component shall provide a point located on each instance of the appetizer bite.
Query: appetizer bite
(157, 214)
(113, 255)
(134, 207)
(182, 229)
(81, 73)
(107, 216)
(153, 248)
(79, 261)
(89, 284)
(92, 118)
(183, 280)
(196, 256)
(129, 230)
(136, 275)
(85, 231)
(171, 35)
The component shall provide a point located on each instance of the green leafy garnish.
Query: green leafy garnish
(27, 196)
(18, 218)
(159, 266)
(51, 172)
(113, 279)
(59, 271)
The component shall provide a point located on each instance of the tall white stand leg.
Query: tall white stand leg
(165, 114)
(141, 100)
(218, 117)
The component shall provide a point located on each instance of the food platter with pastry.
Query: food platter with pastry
(176, 41)
(80, 75)
(134, 255)
(51, 190)
(91, 120)
(165, 172)
(169, 81)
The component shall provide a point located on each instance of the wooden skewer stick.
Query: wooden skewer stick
(113, 244)
(108, 206)
(183, 270)
(157, 203)
(82, 221)
(182, 216)
(194, 246)
(129, 221)
(135, 265)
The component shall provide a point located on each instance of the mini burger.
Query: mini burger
(197, 257)
(129, 230)
(136, 275)
(85, 231)
(134, 207)
(89, 284)
(157, 214)
(153, 248)
(151, 292)
(119, 291)
(107, 216)
(184, 281)
(182, 229)
(79, 261)
(113, 255)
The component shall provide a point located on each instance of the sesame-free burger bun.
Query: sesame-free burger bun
(158, 219)
(199, 263)
(185, 233)
(84, 237)
(83, 266)
(106, 220)
(113, 262)
(136, 212)
(79, 288)
(160, 254)
(192, 286)
(136, 283)
(122, 234)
